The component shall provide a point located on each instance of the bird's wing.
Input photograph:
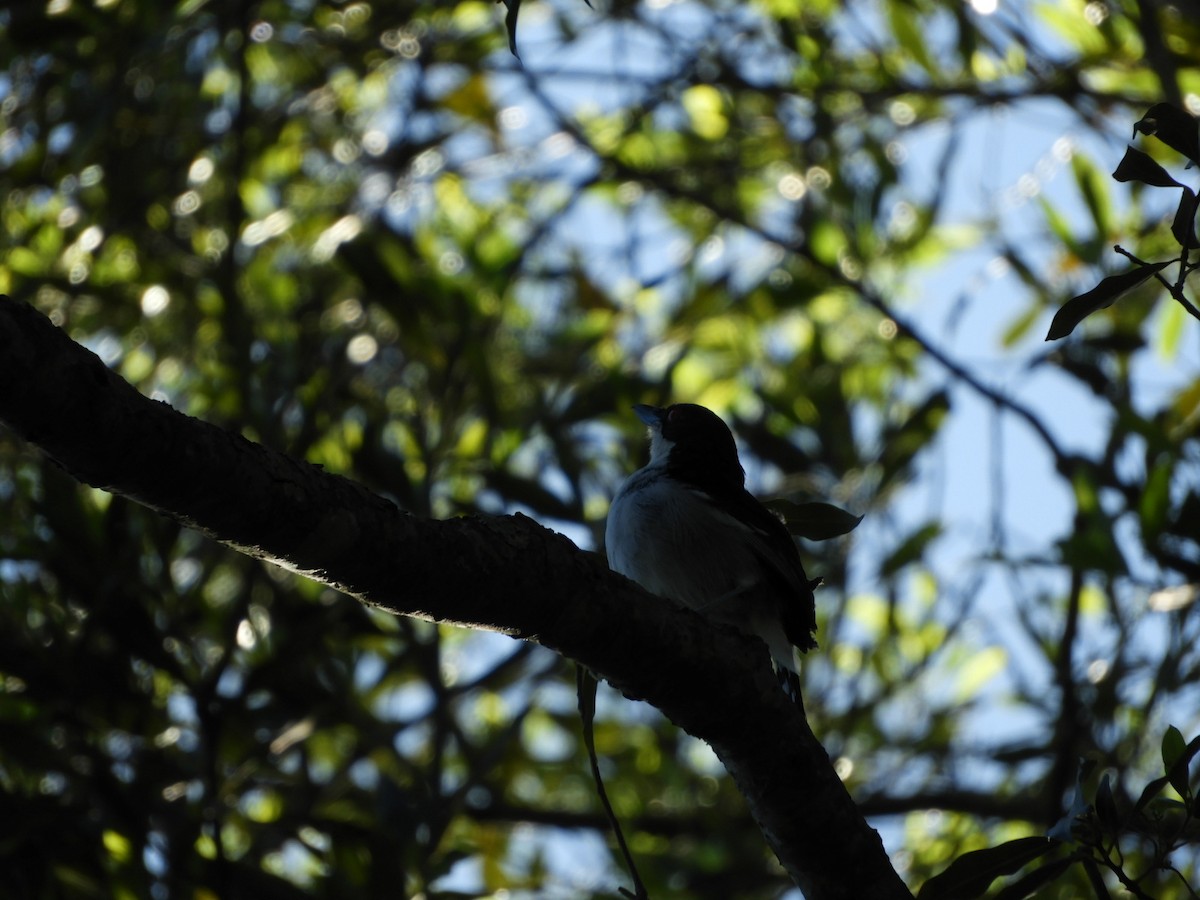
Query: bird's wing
(777, 550)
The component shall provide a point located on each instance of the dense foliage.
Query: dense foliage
(367, 235)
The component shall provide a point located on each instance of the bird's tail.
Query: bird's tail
(790, 682)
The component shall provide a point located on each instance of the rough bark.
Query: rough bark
(504, 574)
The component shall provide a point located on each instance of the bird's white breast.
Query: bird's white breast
(673, 541)
(677, 542)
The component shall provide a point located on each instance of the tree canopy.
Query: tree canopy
(372, 238)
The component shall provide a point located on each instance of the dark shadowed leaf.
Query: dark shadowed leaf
(1150, 791)
(1138, 166)
(1029, 884)
(1096, 879)
(1174, 127)
(1173, 746)
(971, 874)
(1106, 807)
(510, 23)
(1101, 296)
(1177, 757)
(815, 521)
(1184, 225)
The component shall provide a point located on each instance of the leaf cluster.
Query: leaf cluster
(1180, 131)
(1089, 840)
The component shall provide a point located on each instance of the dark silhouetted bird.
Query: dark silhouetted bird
(685, 527)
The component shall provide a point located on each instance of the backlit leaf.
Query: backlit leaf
(1173, 746)
(1183, 226)
(1138, 166)
(1100, 297)
(815, 521)
(1174, 127)
(971, 874)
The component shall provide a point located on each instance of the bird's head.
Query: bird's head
(692, 443)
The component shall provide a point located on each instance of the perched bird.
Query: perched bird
(685, 527)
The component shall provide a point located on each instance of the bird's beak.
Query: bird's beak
(651, 415)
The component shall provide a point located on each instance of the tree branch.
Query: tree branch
(505, 574)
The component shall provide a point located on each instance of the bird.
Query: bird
(684, 527)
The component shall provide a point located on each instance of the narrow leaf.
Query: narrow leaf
(1093, 186)
(1173, 746)
(510, 22)
(1138, 166)
(1028, 884)
(911, 549)
(1174, 127)
(1178, 772)
(972, 873)
(901, 443)
(1149, 792)
(1184, 225)
(1096, 879)
(1101, 296)
(1106, 808)
(815, 521)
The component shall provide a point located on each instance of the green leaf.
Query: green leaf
(910, 33)
(903, 442)
(1155, 501)
(1177, 757)
(972, 873)
(1093, 185)
(1020, 326)
(1100, 297)
(1174, 127)
(1063, 229)
(977, 671)
(911, 549)
(814, 521)
(1173, 746)
(826, 241)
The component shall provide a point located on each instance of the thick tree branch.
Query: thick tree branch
(504, 574)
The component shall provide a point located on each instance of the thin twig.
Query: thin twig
(587, 710)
